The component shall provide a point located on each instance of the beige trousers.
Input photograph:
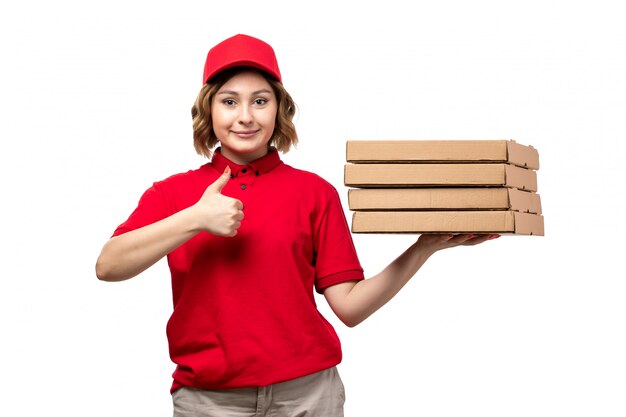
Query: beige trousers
(317, 395)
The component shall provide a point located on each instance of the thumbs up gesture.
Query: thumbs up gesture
(217, 213)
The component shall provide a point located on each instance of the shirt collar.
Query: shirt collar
(260, 166)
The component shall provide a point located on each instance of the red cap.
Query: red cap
(241, 50)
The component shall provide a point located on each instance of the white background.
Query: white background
(95, 106)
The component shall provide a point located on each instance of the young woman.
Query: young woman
(248, 239)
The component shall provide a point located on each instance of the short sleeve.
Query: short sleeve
(151, 208)
(336, 257)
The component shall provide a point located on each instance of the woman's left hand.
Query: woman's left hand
(432, 243)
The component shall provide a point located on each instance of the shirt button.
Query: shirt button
(244, 170)
(243, 186)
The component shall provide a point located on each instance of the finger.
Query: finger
(438, 237)
(221, 181)
(460, 238)
(476, 240)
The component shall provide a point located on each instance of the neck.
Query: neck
(243, 159)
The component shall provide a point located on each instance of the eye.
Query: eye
(260, 101)
(229, 102)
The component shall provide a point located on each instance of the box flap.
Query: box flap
(524, 201)
(528, 224)
(522, 178)
(524, 156)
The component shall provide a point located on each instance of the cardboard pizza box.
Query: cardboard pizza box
(476, 222)
(442, 151)
(470, 198)
(429, 175)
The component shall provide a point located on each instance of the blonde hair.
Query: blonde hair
(204, 139)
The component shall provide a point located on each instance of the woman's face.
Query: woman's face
(243, 112)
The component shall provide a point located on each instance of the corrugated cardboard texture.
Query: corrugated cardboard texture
(473, 198)
(477, 222)
(419, 175)
(442, 151)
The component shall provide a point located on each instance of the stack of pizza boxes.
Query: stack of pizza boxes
(443, 186)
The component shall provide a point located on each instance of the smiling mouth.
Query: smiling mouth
(245, 133)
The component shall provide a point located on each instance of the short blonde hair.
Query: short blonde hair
(204, 139)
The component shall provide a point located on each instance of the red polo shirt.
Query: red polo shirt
(244, 310)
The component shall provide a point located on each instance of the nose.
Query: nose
(245, 115)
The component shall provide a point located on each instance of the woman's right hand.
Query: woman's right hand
(128, 254)
(216, 213)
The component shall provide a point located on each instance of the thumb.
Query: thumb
(219, 183)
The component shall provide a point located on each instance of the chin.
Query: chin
(249, 150)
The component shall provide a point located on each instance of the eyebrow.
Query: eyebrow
(235, 93)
